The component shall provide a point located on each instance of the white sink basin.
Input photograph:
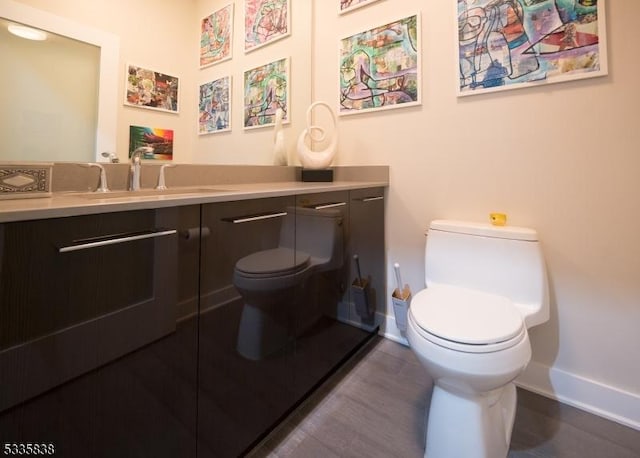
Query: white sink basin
(148, 193)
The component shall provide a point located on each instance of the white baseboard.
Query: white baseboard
(594, 397)
(389, 330)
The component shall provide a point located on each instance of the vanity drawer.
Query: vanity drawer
(76, 293)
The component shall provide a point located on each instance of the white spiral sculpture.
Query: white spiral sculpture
(317, 159)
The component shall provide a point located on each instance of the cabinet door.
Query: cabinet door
(367, 241)
(245, 337)
(94, 357)
(325, 334)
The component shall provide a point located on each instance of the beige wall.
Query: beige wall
(563, 159)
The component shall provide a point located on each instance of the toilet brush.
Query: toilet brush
(360, 290)
(357, 260)
(396, 268)
(401, 299)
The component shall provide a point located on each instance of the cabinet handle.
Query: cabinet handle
(115, 241)
(328, 205)
(248, 219)
(371, 199)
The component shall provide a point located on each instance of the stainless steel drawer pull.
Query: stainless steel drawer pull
(115, 241)
(248, 219)
(329, 205)
(371, 199)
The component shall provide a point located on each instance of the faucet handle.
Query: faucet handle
(111, 156)
(161, 181)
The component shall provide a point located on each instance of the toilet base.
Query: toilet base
(470, 426)
(259, 334)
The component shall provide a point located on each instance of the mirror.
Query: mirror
(54, 95)
(163, 37)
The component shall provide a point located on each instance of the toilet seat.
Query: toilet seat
(467, 320)
(273, 263)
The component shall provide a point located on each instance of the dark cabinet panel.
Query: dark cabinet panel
(246, 333)
(367, 241)
(277, 313)
(325, 333)
(94, 357)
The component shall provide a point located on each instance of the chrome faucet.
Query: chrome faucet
(102, 184)
(136, 162)
(162, 185)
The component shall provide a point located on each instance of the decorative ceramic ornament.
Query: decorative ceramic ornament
(279, 146)
(309, 158)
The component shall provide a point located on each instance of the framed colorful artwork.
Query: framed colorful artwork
(160, 140)
(150, 89)
(349, 5)
(216, 36)
(511, 44)
(266, 88)
(215, 106)
(380, 67)
(265, 21)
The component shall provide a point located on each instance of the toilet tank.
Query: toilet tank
(503, 260)
(317, 232)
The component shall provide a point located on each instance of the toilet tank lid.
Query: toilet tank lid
(484, 229)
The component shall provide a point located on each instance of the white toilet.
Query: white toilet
(486, 285)
(311, 241)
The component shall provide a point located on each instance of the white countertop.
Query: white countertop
(64, 204)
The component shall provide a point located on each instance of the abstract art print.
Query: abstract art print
(216, 34)
(508, 44)
(160, 140)
(150, 89)
(215, 106)
(380, 68)
(350, 5)
(265, 21)
(266, 88)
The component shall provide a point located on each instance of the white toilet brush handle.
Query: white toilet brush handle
(396, 267)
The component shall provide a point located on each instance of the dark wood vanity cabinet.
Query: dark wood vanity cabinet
(95, 358)
(143, 333)
(266, 344)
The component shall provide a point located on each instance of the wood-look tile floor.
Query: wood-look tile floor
(375, 405)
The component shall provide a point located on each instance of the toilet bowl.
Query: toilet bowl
(485, 287)
(271, 282)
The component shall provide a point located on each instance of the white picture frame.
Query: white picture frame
(150, 89)
(214, 106)
(346, 6)
(538, 44)
(375, 76)
(267, 88)
(216, 36)
(265, 22)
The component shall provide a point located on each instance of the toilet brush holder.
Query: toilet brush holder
(360, 291)
(401, 301)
